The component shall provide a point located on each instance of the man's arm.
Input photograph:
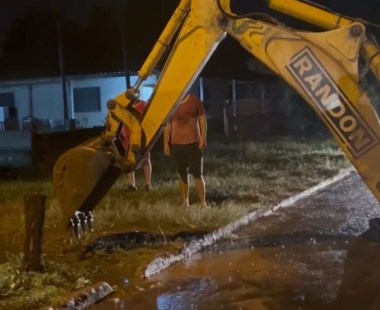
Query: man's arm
(203, 129)
(167, 132)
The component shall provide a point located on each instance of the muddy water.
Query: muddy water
(319, 254)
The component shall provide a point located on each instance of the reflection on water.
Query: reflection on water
(326, 275)
(312, 256)
(360, 288)
(295, 277)
(333, 274)
(187, 294)
(299, 276)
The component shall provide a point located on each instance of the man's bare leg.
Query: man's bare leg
(131, 181)
(201, 191)
(147, 168)
(184, 191)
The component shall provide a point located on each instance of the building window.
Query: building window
(7, 99)
(87, 99)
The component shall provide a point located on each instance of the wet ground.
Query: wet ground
(319, 254)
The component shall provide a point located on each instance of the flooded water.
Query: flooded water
(319, 254)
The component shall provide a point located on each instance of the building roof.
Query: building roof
(53, 79)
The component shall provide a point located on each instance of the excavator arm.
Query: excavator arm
(322, 67)
(84, 174)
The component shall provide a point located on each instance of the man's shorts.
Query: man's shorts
(189, 159)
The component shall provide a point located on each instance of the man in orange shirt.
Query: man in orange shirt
(185, 137)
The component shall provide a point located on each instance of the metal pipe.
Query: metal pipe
(310, 14)
(328, 20)
(371, 54)
(164, 40)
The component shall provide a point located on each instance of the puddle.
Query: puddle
(319, 254)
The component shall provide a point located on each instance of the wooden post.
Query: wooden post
(34, 209)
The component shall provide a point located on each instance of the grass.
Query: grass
(22, 290)
(240, 178)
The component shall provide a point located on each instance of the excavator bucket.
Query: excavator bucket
(82, 176)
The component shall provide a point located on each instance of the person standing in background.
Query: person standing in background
(185, 137)
(139, 107)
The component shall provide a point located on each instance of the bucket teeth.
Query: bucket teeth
(81, 224)
(82, 176)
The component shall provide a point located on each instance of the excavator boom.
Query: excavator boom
(322, 67)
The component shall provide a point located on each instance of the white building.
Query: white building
(87, 98)
(41, 100)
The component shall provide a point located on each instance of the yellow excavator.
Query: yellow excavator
(322, 67)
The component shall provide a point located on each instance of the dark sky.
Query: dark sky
(79, 9)
(74, 9)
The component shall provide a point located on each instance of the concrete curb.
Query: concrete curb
(195, 246)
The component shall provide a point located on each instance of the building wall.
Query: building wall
(109, 88)
(21, 94)
(43, 99)
(48, 102)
